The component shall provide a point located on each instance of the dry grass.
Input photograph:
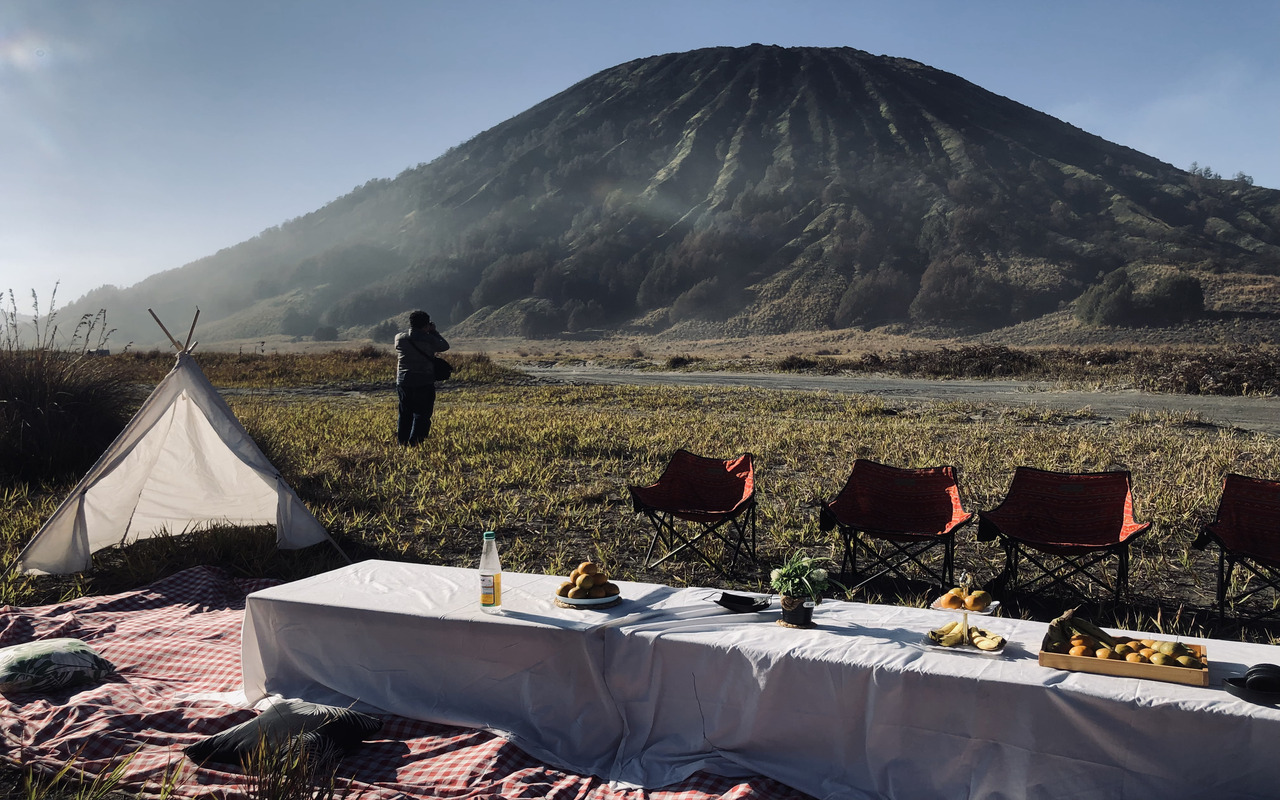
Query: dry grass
(547, 467)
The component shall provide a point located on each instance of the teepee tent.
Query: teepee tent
(182, 463)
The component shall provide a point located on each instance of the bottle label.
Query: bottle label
(491, 589)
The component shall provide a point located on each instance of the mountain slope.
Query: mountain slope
(745, 189)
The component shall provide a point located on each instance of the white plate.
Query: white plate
(588, 601)
(966, 648)
(990, 609)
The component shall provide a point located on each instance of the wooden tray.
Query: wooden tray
(1128, 669)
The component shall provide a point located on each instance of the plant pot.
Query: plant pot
(797, 612)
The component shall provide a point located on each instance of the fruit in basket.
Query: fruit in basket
(1076, 636)
(1068, 631)
(953, 635)
(978, 600)
(949, 635)
(588, 581)
(1088, 642)
(985, 640)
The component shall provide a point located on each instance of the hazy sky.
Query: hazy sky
(139, 135)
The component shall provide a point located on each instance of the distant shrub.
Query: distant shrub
(956, 290)
(1115, 302)
(325, 333)
(384, 332)
(1174, 298)
(1108, 303)
(676, 362)
(877, 296)
(796, 363)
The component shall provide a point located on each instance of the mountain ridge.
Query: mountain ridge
(757, 188)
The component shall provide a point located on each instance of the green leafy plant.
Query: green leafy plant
(800, 576)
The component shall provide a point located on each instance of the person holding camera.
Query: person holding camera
(416, 378)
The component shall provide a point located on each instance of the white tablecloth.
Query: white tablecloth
(410, 639)
(862, 707)
(668, 683)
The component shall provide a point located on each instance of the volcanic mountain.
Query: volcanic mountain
(753, 189)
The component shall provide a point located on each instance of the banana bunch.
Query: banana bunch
(1057, 639)
(953, 635)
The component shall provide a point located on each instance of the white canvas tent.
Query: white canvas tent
(182, 463)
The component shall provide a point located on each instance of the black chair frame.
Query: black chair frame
(1267, 576)
(901, 554)
(1066, 567)
(737, 532)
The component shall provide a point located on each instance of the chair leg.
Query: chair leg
(1122, 573)
(1224, 575)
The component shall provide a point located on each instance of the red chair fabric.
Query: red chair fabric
(716, 495)
(1248, 519)
(1246, 530)
(1065, 514)
(915, 508)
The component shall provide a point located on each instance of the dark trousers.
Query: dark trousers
(416, 405)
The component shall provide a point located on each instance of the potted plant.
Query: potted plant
(800, 583)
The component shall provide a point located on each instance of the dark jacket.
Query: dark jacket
(413, 364)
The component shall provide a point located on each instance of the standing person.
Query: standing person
(416, 377)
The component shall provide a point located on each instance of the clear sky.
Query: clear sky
(139, 135)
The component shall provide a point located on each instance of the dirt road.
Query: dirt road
(1257, 414)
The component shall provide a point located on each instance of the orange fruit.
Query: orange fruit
(588, 568)
(1086, 641)
(1106, 653)
(951, 601)
(1080, 650)
(1137, 658)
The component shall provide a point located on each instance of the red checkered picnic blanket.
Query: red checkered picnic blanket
(180, 636)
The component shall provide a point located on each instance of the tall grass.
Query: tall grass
(60, 404)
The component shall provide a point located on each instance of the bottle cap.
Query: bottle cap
(488, 534)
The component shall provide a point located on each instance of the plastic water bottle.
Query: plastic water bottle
(490, 576)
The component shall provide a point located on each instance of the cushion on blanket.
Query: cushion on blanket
(46, 665)
(320, 730)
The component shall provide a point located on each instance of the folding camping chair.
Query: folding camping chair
(908, 512)
(716, 496)
(1064, 524)
(1247, 533)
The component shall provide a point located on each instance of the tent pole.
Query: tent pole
(187, 347)
(166, 330)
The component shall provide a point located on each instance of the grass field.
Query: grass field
(546, 466)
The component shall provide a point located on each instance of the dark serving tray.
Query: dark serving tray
(741, 603)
